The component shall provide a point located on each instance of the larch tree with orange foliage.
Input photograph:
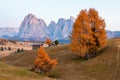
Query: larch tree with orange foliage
(43, 64)
(79, 35)
(97, 25)
(88, 34)
(48, 41)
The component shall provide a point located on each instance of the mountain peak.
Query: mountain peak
(72, 18)
(52, 22)
(30, 17)
(61, 19)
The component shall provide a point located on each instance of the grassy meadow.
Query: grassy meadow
(105, 66)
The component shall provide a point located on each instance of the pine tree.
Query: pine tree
(88, 33)
(43, 63)
(56, 42)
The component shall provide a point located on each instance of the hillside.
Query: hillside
(106, 66)
(12, 73)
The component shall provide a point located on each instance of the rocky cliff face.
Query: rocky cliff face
(61, 30)
(33, 28)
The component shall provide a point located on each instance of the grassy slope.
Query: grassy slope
(70, 67)
(13, 73)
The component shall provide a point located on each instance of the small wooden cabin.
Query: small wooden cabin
(36, 45)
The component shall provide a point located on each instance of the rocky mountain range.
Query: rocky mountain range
(35, 29)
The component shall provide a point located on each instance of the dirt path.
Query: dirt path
(117, 63)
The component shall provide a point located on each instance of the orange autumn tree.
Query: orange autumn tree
(97, 25)
(42, 63)
(48, 41)
(88, 33)
(79, 35)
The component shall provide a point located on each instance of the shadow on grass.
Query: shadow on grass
(102, 50)
(78, 59)
(54, 75)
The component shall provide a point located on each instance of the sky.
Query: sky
(12, 12)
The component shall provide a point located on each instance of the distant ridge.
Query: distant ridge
(112, 34)
(8, 32)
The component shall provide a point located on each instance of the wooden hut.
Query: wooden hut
(36, 45)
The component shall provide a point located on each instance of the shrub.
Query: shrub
(56, 42)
